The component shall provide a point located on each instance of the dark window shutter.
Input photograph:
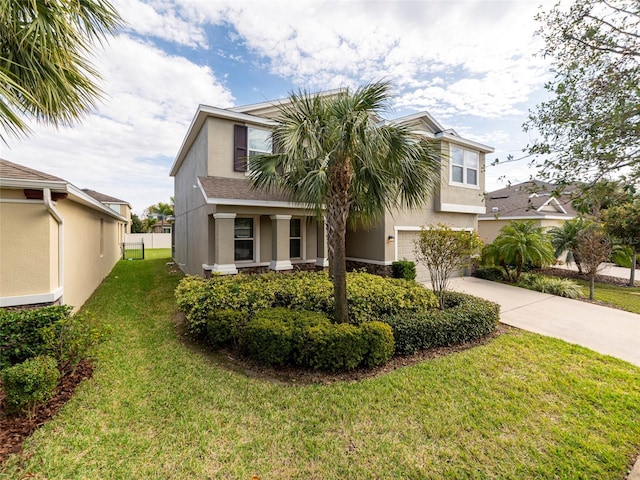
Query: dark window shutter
(240, 148)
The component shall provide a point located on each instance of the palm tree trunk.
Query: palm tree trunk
(592, 284)
(337, 215)
(632, 275)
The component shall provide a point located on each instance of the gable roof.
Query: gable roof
(14, 171)
(528, 200)
(13, 175)
(104, 198)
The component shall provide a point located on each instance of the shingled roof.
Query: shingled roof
(101, 197)
(14, 171)
(533, 199)
(238, 189)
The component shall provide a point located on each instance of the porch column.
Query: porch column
(323, 249)
(280, 255)
(223, 246)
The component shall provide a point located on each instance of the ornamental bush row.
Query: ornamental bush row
(370, 297)
(29, 383)
(50, 331)
(279, 336)
(464, 319)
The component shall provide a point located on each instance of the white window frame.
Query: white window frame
(466, 166)
(257, 150)
(300, 238)
(252, 238)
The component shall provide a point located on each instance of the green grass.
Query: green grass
(520, 406)
(624, 298)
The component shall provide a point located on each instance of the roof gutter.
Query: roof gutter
(48, 203)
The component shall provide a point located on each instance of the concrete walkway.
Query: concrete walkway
(608, 270)
(605, 330)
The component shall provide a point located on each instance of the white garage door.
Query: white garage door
(406, 248)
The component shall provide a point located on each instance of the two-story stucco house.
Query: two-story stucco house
(57, 243)
(223, 226)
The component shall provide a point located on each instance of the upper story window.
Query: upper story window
(464, 167)
(249, 141)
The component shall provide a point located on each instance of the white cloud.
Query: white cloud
(126, 148)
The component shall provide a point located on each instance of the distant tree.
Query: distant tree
(136, 224)
(444, 251)
(44, 71)
(590, 128)
(565, 239)
(148, 224)
(519, 242)
(161, 209)
(591, 199)
(594, 247)
(622, 222)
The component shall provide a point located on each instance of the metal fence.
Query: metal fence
(133, 251)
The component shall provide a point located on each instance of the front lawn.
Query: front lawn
(520, 406)
(624, 298)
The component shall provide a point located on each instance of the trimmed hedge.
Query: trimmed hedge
(278, 336)
(465, 318)
(370, 297)
(490, 273)
(29, 383)
(405, 269)
(274, 335)
(21, 332)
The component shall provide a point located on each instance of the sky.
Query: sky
(472, 64)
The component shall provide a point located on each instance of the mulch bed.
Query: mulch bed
(287, 375)
(561, 272)
(15, 429)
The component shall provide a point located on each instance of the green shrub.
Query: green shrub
(224, 327)
(369, 296)
(465, 318)
(273, 335)
(562, 287)
(378, 338)
(404, 269)
(494, 274)
(21, 332)
(333, 346)
(29, 383)
(70, 339)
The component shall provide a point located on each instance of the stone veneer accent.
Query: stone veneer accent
(382, 270)
(297, 267)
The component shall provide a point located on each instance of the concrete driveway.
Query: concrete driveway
(605, 330)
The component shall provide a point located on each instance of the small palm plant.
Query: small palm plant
(519, 242)
(565, 239)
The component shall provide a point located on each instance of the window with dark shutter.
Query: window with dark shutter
(239, 148)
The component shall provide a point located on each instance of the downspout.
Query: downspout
(46, 195)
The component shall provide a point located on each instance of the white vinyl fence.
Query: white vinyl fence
(151, 240)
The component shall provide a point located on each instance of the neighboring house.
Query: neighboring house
(223, 226)
(162, 226)
(532, 200)
(119, 206)
(57, 243)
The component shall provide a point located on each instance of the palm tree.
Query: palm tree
(565, 239)
(520, 242)
(334, 155)
(43, 70)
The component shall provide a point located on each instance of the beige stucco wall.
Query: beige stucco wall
(28, 257)
(449, 194)
(87, 258)
(29, 253)
(490, 229)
